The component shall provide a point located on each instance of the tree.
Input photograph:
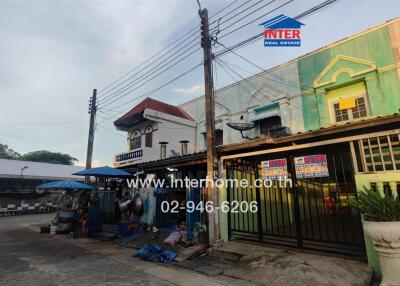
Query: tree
(7, 153)
(49, 157)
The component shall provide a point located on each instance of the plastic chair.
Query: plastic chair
(31, 209)
(3, 211)
(11, 209)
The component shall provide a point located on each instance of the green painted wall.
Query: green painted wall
(383, 88)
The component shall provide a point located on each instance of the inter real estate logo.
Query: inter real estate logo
(282, 31)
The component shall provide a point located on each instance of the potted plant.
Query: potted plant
(199, 231)
(381, 221)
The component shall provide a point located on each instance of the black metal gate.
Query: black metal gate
(312, 213)
(165, 219)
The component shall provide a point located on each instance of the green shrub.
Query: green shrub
(376, 207)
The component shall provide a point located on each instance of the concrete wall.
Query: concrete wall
(278, 85)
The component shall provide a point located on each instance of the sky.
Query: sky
(54, 53)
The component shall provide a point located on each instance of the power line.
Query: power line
(44, 123)
(110, 130)
(278, 78)
(149, 73)
(257, 36)
(244, 10)
(150, 64)
(153, 91)
(171, 47)
(156, 75)
(253, 86)
(256, 19)
(219, 62)
(102, 102)
(245, 42)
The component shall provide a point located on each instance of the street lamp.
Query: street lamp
(23, 168)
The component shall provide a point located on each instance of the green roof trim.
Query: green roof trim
(267, 107)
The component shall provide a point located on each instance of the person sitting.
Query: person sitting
(178, 237)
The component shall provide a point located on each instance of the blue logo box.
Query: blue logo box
(282, 43)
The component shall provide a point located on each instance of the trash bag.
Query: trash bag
(155, 253)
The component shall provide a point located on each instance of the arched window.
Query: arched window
(148, 137)
(136, 140)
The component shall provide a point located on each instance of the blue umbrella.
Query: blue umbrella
(65, 185)
(104, 172)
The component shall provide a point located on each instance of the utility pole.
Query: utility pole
(213, 224)
(92, 112)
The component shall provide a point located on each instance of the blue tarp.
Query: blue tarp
(155, 253)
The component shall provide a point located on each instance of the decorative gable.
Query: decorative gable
(343, 67)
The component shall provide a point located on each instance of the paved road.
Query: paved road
(30, 258)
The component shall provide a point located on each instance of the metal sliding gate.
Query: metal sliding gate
(312, 213)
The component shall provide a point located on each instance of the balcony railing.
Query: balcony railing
(129, 155)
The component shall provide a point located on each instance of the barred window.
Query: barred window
(381, 153)
(136, 142)
(340, 115)
(358, 111)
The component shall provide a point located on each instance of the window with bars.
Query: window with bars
(358, 111)
(380, 153)
(136, 142)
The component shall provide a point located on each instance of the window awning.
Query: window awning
(265, 111)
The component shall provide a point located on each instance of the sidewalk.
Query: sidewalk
(242, 264)
(275, 266)
(236, 264)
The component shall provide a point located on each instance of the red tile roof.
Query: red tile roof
(156, 105)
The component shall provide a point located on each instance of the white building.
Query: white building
(155, 130)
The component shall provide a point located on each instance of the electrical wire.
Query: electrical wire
(153, 91)
(254, 38)
(279, 79)
(168, 65)
(244, 10)
(182, 39)
(102, 102)
(256, 19)
(44, 123)
(110, 130)
(228, 71)
(259, 35)
(143, 83)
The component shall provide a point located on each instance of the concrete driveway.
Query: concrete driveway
(30, 258)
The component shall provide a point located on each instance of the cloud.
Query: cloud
(197, 88)
(55, 53)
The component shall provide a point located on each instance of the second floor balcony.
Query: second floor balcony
(128, 158)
